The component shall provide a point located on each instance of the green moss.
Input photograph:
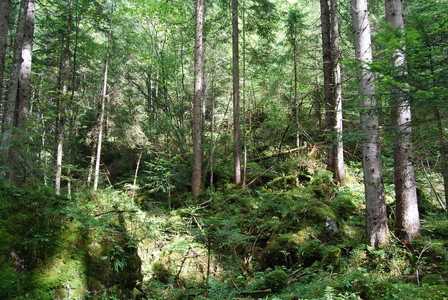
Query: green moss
(276, 280)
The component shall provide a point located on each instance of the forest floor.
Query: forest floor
(291, 234)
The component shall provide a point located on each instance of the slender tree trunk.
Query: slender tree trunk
(376, 216)
(338, 148)
(296, 90)
(4, 28)
(407, 223)
(101, 117)
(197, 131)
(442, 146)
(244, 99)
(236, 95)
(328, 69)
(62, 101)
(212, 131)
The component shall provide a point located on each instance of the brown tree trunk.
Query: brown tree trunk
(376, 217)
(236, 95)
(407, 223)
(62, 101)
(5, 6)
(16, 110)
(197, 116)
(328, 68)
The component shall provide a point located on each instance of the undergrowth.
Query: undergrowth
(292, 234)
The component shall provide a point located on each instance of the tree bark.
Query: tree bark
(197, 116)
(5, 6)
(376, 216)
(407, 223)
(62, 101)
(236, 95)
(338, 146)
(16, 109)
(327, 68)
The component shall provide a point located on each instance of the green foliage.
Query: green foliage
(276, 280)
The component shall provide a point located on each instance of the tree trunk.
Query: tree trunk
(62, 101)
(442, 146)
(296, 89)
(16, 109)
(338, 146)
(407, 223)
(5, 6)
(236, 95)
(244, 99)
(197, 132)
(101, 117)
(328, 68)
(376, 217)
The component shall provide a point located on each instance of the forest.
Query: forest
(223, 149)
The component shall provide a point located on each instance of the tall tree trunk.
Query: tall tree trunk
(24, 92)
(244, 98)
(197, 116)
(62, 101)
(16, 109)
(103, 106)
(328, 69)
(376, 216)
(5, 6)
(338, 146)
(236, 95)
(296, 89)
(407, 223)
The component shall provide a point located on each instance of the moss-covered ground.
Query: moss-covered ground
(291, 234)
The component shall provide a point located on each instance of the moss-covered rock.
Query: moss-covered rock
(276, 280)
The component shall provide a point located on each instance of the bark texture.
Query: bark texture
(16, 109)
(196, 178)
(407, 223)
(376, 217)
(327, 68)
(332, 88)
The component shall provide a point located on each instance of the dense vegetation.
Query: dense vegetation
(97, 199)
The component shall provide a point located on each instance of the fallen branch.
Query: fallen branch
(114, 212)
(251, 292)
(285, 152)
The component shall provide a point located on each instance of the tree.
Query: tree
(338, 146)
(236, 95)
(102, 110)
(196, 178)
(62, 101)
(332, 87)
(295, 22)
(407, 223)
(376, 217)
(4, 29)
(16, 112)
